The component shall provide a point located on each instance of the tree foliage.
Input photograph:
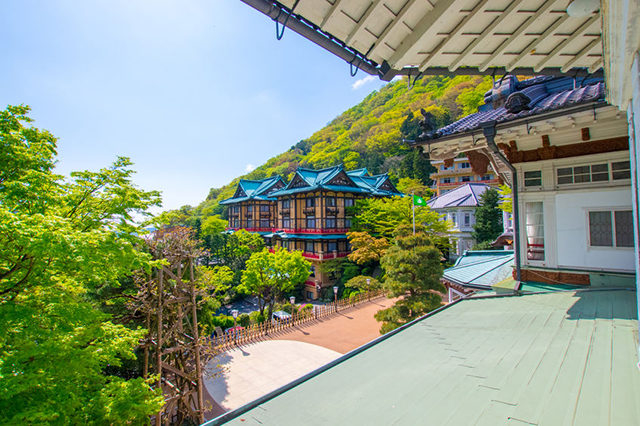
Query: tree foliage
(269, 275)
(488, 224)
(382, 216)
(61, 240)
(360, 283)
(366, 248)
(413, 271)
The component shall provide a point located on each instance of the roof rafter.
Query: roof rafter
(363, 20)
(577, 33)
(523, 27)
(452, 35)
(392, 25)
(584, 51)
(506, 13)
(425, 25)
(535, 42)
(332, 11)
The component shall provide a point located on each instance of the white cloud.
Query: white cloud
(249, 168)
(359, 83)
(397, 77)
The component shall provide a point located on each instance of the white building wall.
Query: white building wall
(572, 231)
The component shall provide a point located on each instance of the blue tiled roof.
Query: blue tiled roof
(464, 196)
(546, 94)
(287, 236)
(321, 179)
(254, 190)
(481, 268)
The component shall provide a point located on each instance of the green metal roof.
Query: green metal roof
(287, 236)
(254, 190)
(556, 358)
(481, 268)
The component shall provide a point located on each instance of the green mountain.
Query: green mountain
(369, 135)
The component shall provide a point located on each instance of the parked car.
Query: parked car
(281, 316)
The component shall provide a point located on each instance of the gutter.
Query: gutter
(489, 131)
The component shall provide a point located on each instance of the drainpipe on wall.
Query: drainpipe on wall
(489, 131)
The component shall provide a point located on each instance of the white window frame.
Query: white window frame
(611, 211)
(610, 179)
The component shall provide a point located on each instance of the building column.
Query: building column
(633, 117)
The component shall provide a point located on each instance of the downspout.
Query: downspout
(489, 131)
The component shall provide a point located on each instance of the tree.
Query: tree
(60, 240)
(506, 200)
(382, 216)
(488, 218)
(269, 275)
(360, 283)
(366, 248)
(413, 271)
(414, 186)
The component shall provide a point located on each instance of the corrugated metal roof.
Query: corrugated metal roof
(481, 268)
(556, 358)
(464, 196)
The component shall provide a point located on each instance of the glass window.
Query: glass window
(465, 179)
(286, 204)
(624, 228)
(454, 218)
(332, 246)
(331, 222)
(264, 208)
(583, 174)
(310, 202)
(445, 180)
(533, 178)
(620, 170)
(264, 223)
(600, 229)
(465, 165)
(609, 229)
(312, 271)
(309, 247)
(331, 201)
(467, 219)
(348, 202)
(347, 223)
(250, 209)
(487, 177)
(249, 223)
(285, 244)
(286, 222)
(311, 222)
(534, 225)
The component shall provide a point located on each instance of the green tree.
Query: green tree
(488, 224)
(269, 275)
(413, 271)
(382, 216)
(366, 248)
(360, 283)
(60, 240)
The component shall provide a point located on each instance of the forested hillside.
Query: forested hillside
(369, 135)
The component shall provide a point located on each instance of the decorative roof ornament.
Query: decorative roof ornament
(517, 102)
(427, 125)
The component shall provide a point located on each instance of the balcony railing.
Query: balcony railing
(315, 230)
(456, 184)
(325, 256)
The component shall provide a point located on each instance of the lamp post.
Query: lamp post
(292, 299)
(335, 296)
(234, 314)
(369, 289)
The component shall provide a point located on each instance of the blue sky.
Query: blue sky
(194, 92)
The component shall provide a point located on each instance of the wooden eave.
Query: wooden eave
(411, 37)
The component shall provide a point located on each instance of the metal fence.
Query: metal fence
(272, 328)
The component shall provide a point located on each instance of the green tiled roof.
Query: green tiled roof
(557, 358)
(286, 236)
(254, 190)
(481, 268)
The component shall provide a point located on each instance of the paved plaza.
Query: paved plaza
(252, 370)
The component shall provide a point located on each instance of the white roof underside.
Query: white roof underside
(449, 34)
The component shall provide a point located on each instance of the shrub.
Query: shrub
(244, 320)
(256, 318)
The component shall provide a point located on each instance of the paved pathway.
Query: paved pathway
(342, 332)
(253, 370)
